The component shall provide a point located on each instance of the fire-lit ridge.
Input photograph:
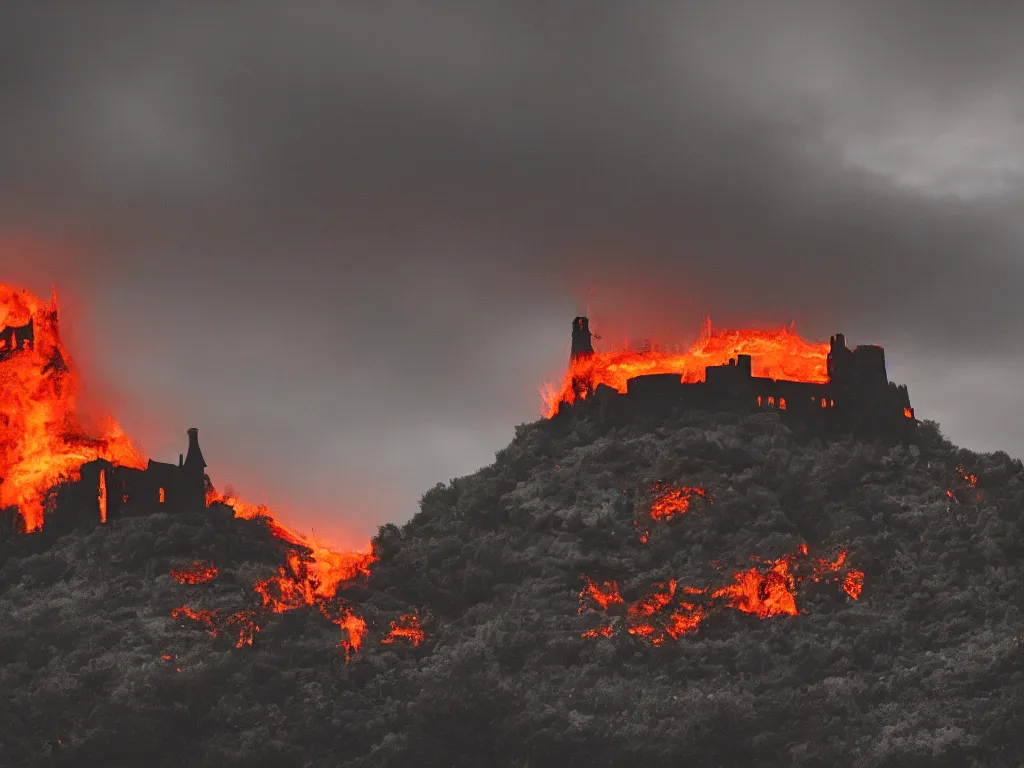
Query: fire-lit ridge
(779, 354)
(326, 568)
(41, 438)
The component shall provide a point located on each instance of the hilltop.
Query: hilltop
(923, 668)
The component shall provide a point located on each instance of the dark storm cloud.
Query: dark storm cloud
(350, 238)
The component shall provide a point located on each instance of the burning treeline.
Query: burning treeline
(44, 448)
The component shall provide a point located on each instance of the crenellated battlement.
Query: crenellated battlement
(857, 398)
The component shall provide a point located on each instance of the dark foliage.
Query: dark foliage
(927, 669)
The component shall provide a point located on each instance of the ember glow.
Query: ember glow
(42, 443)
(668, 501)
(603, 594)
(241, 622)
(297, 585)
(780, 354)
(768, 590)
(326, 567)
(195, 573)
(41, 438)
(406, 628)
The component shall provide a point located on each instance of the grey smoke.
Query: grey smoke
(347, 242)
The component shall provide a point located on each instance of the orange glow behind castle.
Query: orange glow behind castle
(779, 354)
(43, 442)
(41, 438)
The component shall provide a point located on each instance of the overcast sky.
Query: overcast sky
(347, 240)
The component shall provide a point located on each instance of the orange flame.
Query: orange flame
(651, 604)
(326, 567)
(604, 595)
(101, 495)
(780, 354)
(406, 628)
(41, 439)
(669, 501)
(853, 584)
(195, 573)
(762, 593)
(672, 501)
(968, 477)
(299, 585)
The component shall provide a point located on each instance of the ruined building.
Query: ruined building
(105, 491)
(858, 397)
(14, 340)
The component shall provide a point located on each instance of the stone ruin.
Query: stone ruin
(105, 492)
(858, 398)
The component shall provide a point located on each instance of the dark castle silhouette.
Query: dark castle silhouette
(858, 398)
(13, 340)
(104, 492)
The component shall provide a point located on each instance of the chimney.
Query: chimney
(194, 458)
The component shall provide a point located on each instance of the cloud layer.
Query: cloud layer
(341, 240)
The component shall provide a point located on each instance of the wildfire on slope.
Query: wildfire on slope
(669, 501)
(326, 567)
(198, 572)
(765, 592)
(42, 443)
(295, 586)
(780, 354)
(42, 440)
(243, 622)
(406, 628)
(968, 479)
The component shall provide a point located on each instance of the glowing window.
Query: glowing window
(162, 496)
(758, 401)
(782, 403)
(101, 495)
(771, 400)
(824, 403)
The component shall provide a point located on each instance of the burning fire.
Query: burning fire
(298, 585)
(668, 502)
(406, 628)
(195, 573)
(42, 441)
(326, 568)
(967, 478)
(242, 622)
(768, 591)
(780, 354)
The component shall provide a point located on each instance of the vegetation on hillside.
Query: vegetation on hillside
(925, 669)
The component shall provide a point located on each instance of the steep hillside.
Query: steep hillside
(923, 669)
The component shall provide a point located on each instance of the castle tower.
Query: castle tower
(193, 474)
(581, 338)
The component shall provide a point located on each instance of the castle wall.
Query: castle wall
(858, 397)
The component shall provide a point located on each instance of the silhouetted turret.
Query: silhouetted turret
(193, 476)
(581, 343)
(858, 397)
